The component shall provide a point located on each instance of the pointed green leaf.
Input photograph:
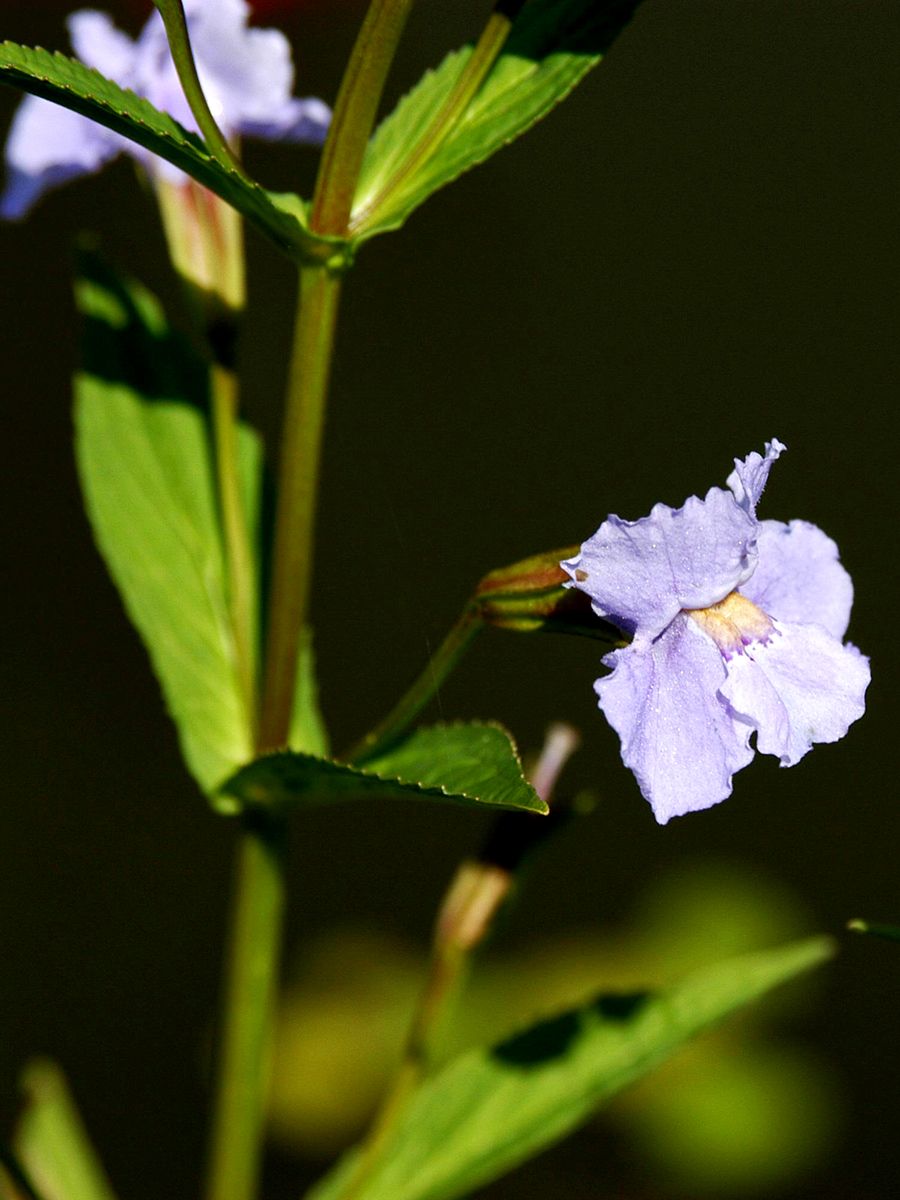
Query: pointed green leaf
(144, 461)
(51, 1143)
(491, 1109)
(70, 83)
(471, 764)
(551, 47)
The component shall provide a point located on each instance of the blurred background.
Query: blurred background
(696, 253)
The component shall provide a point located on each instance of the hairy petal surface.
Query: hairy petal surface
(748, 479)
(799, 577)
(679, 738)
(798, 688)
(640, 574)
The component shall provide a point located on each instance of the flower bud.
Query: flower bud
(531, 596)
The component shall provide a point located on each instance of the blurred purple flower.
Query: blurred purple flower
(247, 75)
(737, 627)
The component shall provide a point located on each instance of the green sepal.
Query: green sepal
(68, 82)
(493, 1108)
(472, 764)
(551, 47)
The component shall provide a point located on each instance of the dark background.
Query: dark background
(696, 253)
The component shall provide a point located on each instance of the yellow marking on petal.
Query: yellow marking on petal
(733, 623)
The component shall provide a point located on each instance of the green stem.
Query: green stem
(238, 554)
(417, 695)
(304, 421)
(251, 987)
(172, 12)
(354, 115)
(484, 55)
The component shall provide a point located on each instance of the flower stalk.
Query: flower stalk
(172, 13)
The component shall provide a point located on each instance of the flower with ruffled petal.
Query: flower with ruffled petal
(737, 628)
(247, 76)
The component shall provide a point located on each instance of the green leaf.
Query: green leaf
(890, 932)
(70, 83)
(551, 47)
(145, 466)
(491, 1109)
(51, 1143)
(307, 733)
(471, 764)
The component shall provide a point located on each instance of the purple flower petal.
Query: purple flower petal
(799, 577)
(678, 737)
(640, 574)
(305, 120)
(99, 44)
(49, 145)
(800, 687)
(749, 476)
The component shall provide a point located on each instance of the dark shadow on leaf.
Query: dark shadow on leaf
(120, 346)
(554, 1038)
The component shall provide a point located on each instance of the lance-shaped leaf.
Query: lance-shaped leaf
(51, 1143)
(470, 764)
(70, 83)
(551, 47)
(490, 1109)
(145, 465)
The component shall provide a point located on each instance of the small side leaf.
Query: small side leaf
(470, 764)
(551, 47)
(51, 1142)
(145, 466)
(491, 1109)
(68, 82)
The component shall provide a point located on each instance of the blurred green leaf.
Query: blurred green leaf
(491, 1109)
(68, 82)
(51, 1142)
(890, 932)
(146, 470)
(552, 45)
(471, 764)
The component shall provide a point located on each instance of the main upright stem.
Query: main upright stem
(250, 993)
(354, 116)
(255, 940)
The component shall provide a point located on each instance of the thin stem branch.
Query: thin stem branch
(354, 115)
(251, 987)
(421, 690)
(304, 421)
(467, 915)
(172, 12)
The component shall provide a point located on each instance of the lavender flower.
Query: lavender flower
(737, 627)
(247, 76)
